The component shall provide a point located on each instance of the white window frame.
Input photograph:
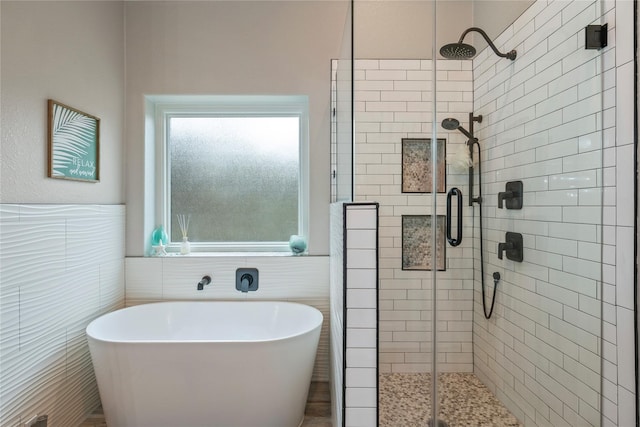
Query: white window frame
(166, 106)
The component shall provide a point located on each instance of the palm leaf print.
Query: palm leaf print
(74, 135)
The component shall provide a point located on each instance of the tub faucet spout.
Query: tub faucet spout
(203, 282)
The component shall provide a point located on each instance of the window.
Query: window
(237, 165)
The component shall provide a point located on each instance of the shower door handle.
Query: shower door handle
(454, 192)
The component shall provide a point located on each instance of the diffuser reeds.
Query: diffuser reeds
(183, 222)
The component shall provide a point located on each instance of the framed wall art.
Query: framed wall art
(417, 246)
(416, 165)
(74, 143)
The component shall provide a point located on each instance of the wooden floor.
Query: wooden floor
(317, 412)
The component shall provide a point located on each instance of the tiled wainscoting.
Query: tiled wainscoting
(61, 266)
(303, 279)
(336, 309)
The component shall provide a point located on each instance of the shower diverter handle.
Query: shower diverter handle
(512, 246)
(511, 196)
(504, 247)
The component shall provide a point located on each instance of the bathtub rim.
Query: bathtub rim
(317, 313)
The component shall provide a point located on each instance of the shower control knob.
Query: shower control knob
(512, 247)
(511, 196)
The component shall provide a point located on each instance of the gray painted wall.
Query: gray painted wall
(72, 52)
(402, 29)
(231, 47)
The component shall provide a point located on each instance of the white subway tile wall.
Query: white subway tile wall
(302, 279)
(62, 266)
(393, 101)
(617, 330)
(354, 283)
(545, 123)
(361, 373)
(551, 327)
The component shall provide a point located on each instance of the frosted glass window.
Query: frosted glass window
(238, 177)
(238, 165)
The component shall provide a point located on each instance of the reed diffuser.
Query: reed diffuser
(183, 222)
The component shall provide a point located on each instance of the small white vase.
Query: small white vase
(185, 246)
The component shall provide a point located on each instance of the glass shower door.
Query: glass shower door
(498, 320)
(523, 294)
(394, 149)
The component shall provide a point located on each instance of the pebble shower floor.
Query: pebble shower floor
(405, 401)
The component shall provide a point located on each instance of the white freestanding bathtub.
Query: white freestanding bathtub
(205, 364)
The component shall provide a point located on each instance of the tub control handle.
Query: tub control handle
(247, 279)
(203, 282)
(245, 282)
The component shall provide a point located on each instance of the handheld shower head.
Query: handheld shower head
(453, 124)
(450, 123)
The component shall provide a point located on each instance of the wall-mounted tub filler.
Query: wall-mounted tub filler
(204, 282)
(247, 279)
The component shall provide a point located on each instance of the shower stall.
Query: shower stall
(489, 165)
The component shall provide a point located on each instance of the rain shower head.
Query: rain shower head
(465, 51)
(453, 124)
(458, 51)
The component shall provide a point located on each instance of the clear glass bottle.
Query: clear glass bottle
(185, 246)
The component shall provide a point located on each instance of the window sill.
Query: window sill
(228, 254)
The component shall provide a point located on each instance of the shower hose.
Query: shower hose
(496, 275)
